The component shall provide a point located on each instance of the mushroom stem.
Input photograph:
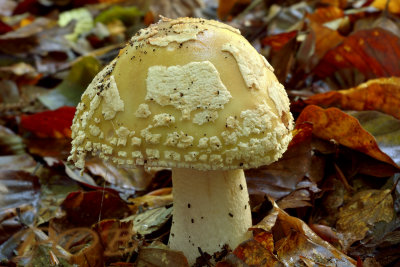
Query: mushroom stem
(211, 209)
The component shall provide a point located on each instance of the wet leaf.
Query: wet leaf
(334, 124)
(373, 52)
(378, 94)
(54, 124)
(69, 92)
(86, 208)
(362, 212)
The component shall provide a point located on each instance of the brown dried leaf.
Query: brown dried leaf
(295, 241)
(362, 212)
(381, 94)
(334, 124)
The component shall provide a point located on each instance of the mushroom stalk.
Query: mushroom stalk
(211, 209)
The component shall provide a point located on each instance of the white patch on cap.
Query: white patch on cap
(172, 155)
(112, 102)
(143, 111)
(163, 119)
(94, 130)
(205, 116)
(181, 33)
(193, 86)
(251, 68)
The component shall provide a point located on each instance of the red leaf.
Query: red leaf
(279, 40)
(374, 52)
(55, 124)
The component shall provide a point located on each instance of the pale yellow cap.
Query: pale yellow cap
(187, 93)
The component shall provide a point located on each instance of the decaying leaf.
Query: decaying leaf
(366, 208)
(333, 124)
(381, 94)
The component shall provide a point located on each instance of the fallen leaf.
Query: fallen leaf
(150, 221)
(258, 251)
(18, 200)
(384, 128)
(127, 178)
(373, 52)
(117, 238)
(381, 94)
(278, 41)
(296, 242)
(362, 212)
(69, 92)
(85, 208)
(334, 124)
(54, 124)
(22, 73)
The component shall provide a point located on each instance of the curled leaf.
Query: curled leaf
(381, 94)
(334, 124)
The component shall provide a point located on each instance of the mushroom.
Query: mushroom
(192, 95)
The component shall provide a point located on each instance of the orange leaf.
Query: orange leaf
(374, 52)
(279, 40)
(379, 94)
(325, 39)
(51, 123)
(325, 14)
(334, 124)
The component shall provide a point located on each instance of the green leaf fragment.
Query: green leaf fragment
(125, 14)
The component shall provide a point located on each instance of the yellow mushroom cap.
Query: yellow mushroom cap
(186, 93)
